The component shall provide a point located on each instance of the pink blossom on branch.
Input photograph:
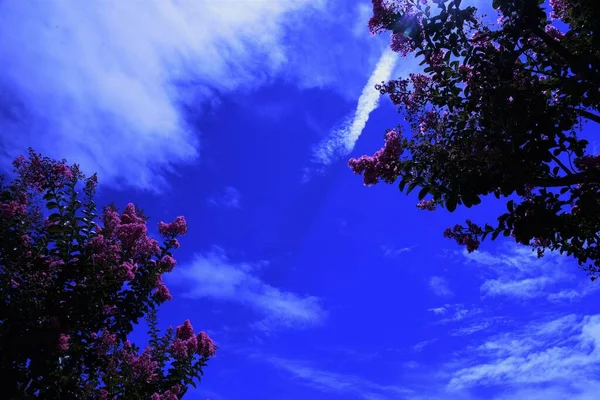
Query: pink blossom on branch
(206, 347)
(112, 252)
(560, 8)
(63, 342)
(384, 14)
(383, 165)
(428, 205)
(400, 43)
(175, 228)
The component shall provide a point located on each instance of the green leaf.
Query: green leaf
(411, 187)
(423, 192)
(402, 184)
(510, 205)
(451, 204)
(51, 205)
(56, 229)
(54, 217)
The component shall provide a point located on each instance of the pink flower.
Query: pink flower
(185, 331)
(179, 349)
(143, 366)
(177, 227)
(401, 43)
(383, 164)
(384, 14)
(206, 347)
(167, 263)
(128, 269)
(161, 293)
(63, 342)
(436, 59)
(428, 205)
(12, 209)
(554, 33)
(560, 9)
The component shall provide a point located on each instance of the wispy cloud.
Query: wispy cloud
(439, 286)
(561, 350)
(390, 251)
(102, 83)
(216, 277)
(515, 271)
(229, 198)
(343, 139)
(334, 382)
(421, 345)
(455, 312)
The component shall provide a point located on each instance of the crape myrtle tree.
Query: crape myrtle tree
(495, 110)
(73, 284)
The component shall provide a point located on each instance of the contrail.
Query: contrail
(343, 139)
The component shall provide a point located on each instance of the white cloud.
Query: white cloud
(439, 286)
(343, 139)
(526, 288)
(421, 345)
(389, 251)
(471, 329)
(515, 271)
(455, 312)
(562, 350)
(230, 198)
(333, 382)
(214, 276)
(101, 83)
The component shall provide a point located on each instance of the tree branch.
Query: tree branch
(588, 115)
(568, 180)
(578, 65)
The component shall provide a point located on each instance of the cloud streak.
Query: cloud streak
(215, 277)
(343, 139)
(333, 382)
(564, 349)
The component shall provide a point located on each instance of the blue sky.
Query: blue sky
(241, 115)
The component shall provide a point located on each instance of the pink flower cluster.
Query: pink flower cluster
(383, 164)
(39, 173)
(167, 263)
(143, 367)
(468, 239)
(436, 59)
(172, 394)
(186, 343)
(554, 33)
(161, 292)
(400, 43)
(587, 162)
(560, 8)
(175, 228)
(63, 342)
(384, 14)
(12, 209)
(427, 205)
(400, 95)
